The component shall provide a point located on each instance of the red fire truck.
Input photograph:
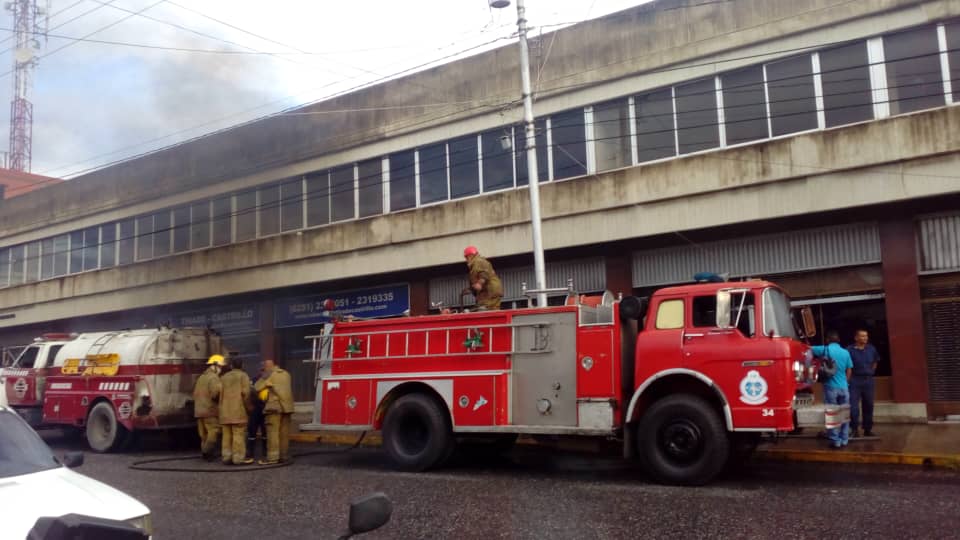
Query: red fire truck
(109, 384)
(684, 380)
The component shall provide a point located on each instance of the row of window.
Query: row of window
(863, 80)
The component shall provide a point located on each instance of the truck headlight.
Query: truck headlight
(144, 523)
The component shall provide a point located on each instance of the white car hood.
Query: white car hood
(57, 492)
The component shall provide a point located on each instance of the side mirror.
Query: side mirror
(369, 512)
(72, 460)
(809, 326)
(723, 309)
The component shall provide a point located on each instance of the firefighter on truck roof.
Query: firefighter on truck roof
(206, 394)
(484, 283)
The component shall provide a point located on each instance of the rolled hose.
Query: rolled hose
(147, 464)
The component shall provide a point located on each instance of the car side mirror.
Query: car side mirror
(72, 460)
(723, 309)
(369, 512)
(809, 326)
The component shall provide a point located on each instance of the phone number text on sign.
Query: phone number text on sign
(378, 302)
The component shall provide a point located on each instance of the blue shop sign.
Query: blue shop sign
(375, 302)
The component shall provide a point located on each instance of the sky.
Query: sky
(96, 103)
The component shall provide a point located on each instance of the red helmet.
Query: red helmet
(469, 251)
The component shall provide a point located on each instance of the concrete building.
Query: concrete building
(812, 142)
(14, 183)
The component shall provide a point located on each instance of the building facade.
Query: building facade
(814, 142)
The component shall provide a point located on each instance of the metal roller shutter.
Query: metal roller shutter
(795, 251)
(939, 243)
(941, 320)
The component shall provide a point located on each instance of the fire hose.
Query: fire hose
(147, 464)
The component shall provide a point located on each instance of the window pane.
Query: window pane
(371, 187)
(291, 213)
(464, 167)
(144, 241)
(61, 255)
(222, 220)
(793, 106)
(497, 160)
(269, 210)
(181, 229)
(670, 315)
(433, 173)
(744, 106)
(46, 260)
(199, 225)
(108, 245)
(16, 264)
(91, 248)
(76, 252)
(161, 234)
(697, 125)
(655, 125)
(520, 151)
(402, 181)
(341, 192)
(246, 215)
(611, 133)
(4, 267)
(318, 199)
(33, 261)
(845, 73)
(953, 56)
(126, 241)
(914, 79)
(569, 144)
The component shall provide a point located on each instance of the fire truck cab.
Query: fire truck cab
(685, 380)
(110, 384)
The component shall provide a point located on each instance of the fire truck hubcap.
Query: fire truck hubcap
(681, 440)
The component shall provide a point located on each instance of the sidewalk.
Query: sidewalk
(929, 445)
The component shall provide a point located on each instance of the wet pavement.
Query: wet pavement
(534, 493)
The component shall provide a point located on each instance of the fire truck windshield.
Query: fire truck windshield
(777, 318)
(27, 358)
(22, 451)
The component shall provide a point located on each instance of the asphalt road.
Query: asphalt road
(533, 493)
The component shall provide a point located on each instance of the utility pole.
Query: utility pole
(27, 17)
(539, 267)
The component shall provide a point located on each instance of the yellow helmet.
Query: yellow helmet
(263, 394)
(216, 360)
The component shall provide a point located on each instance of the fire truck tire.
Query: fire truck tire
(416, 433)
(681, 440)
(104, 433)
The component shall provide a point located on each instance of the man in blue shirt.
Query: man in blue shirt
(835, 390)
(865, 358)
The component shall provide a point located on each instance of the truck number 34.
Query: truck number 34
(766, 412)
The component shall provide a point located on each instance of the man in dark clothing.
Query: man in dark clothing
(255, 426)
(865, 358)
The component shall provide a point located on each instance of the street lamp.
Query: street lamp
(539, 270)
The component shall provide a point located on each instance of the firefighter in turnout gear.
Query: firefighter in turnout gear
(275, 391)
(234, 407)
(206, 393)
(484, 283)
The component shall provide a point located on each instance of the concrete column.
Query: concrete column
(419, 297)
(908, 357)
(269, 347)
(619, 271)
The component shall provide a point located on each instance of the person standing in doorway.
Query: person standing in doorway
(865, 359)
(836, 390)
(275, 390)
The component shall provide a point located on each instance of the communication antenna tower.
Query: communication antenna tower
(30, 23)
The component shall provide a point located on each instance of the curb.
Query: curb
(936, 461)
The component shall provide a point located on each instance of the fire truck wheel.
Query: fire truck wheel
(104, 433)
(682, 440)
(417, 433)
